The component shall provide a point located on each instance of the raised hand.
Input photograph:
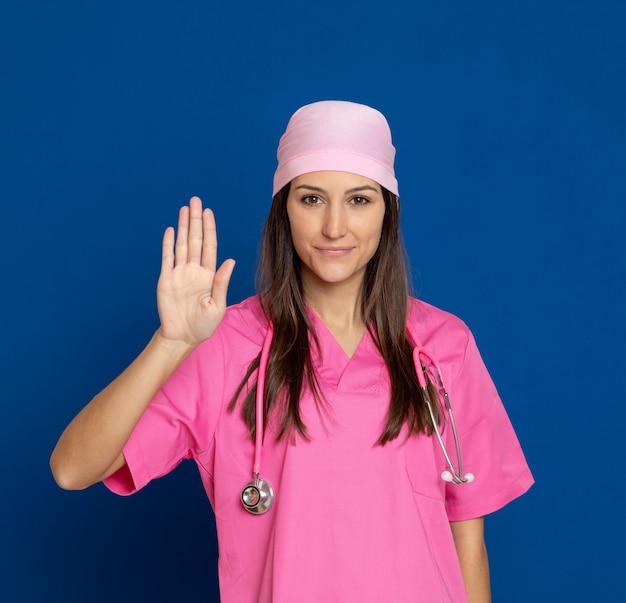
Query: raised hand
(191, 293)
(191, 297)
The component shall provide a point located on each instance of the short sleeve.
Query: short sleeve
(179, 422)
(489, 446)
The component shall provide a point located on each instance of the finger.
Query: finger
(209, 243)
(195, 237)
(167, 250)
(182, 235)
(220, 282)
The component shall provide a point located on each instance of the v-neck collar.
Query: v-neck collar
(360, 371)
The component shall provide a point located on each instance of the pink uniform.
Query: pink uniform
(351, 521)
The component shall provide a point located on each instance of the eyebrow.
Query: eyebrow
(356, 189)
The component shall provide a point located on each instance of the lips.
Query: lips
(334, 251)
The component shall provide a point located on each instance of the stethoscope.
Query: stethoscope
(257, 495)
(453, 475)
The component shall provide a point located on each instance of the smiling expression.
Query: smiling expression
(336, 221)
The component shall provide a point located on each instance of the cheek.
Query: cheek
(375, 244)
(299, 226)
(298, 236)
(373, 232)
(297, 246)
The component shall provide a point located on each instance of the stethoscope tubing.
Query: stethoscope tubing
(257, 496)
(260, 399)
(454, 474)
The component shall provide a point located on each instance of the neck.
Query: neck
(338, 306)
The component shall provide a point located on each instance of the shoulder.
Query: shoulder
(247, 312)
(435, 325)
(224, 357)
(244, 323)
(442, 334)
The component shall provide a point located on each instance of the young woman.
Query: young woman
(316, 411)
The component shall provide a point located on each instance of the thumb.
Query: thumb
(221, 281)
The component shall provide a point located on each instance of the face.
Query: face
(336, 221)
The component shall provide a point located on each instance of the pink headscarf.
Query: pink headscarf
(340, 136)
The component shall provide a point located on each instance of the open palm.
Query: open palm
(191, 293)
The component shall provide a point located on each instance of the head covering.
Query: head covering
(340, 136)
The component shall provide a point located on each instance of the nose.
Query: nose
(335, 221)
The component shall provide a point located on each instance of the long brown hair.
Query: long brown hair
(384, 308)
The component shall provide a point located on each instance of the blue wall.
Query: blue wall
(509, 124)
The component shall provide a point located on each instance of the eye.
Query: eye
(359, 200)
(311, 200)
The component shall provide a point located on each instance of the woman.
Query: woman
(350, 445)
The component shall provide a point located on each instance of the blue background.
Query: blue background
(508, 118)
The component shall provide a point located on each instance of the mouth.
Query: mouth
(334, 251)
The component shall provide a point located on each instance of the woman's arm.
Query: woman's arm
(191, 297)
(90, 448)
(469, 539)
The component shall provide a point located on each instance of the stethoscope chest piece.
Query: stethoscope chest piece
(257, 496)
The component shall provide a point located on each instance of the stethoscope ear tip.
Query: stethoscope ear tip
(446, 476)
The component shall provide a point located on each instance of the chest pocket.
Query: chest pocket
(423, 466)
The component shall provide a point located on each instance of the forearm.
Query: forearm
(472, 553)
(91, 446)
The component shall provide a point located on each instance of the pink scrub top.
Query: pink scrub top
(351, 521)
